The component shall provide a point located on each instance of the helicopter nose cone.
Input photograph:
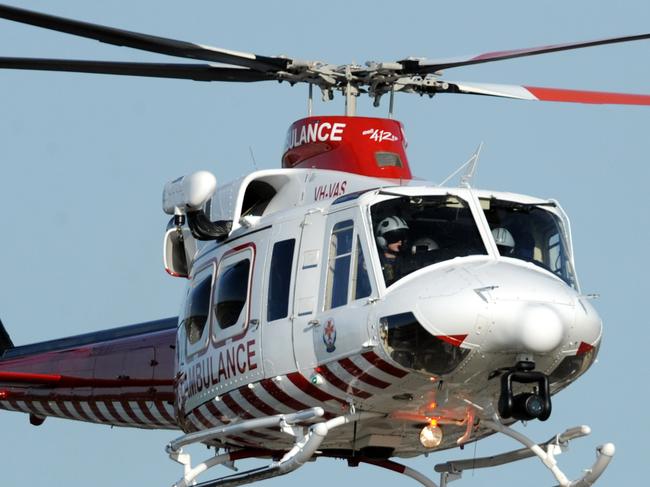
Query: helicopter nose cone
(541, 329)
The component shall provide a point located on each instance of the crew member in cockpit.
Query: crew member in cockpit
(391, 235)
(504, 240)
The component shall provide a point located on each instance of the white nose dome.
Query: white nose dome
(541, 328)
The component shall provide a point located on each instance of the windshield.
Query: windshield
(531, 233)
(412, 232)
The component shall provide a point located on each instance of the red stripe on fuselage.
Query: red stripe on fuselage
(278, 394)
(77, 406)
(384, 366)
(338, 383)
(348, 365)
(202, 419)
(98, 414)
(214, 410)
(131, 413)
(310, 389)
(113, 412)
(64, 409)
(163, 412)
(46, 406)
(236, 408)
(256, 402)
(147, 414)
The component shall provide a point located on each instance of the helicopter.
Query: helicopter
(321, 192)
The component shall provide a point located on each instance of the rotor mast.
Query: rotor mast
(351, 93)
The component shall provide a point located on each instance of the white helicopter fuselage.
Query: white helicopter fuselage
(295, 309)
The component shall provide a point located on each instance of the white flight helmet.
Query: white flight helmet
(388, 225)
(424, 244)
(504, 240)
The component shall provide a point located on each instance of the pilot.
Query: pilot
(391, 240)
(504, 240)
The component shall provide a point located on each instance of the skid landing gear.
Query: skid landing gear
(546, 452)
(307, 441)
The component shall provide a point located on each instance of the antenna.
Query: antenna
(470, 164)
(250, 149)
(466, 178)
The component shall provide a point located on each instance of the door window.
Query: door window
(280, 280)
(347, 274)
(338, 269)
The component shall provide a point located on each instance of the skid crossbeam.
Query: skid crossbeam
(303, 449)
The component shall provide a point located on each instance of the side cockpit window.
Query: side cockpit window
(197, 306)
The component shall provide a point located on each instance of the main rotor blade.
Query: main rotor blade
(143, 42)
(197, 72)
(547, 94)
(432, 65)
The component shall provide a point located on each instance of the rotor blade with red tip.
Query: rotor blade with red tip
(196, 72)
(424, 66)
(143, 42)
(546, 94)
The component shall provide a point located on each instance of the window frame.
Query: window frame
(200, 345)
(356, 248)
(220, 336)
(467, 201)
(290, 284)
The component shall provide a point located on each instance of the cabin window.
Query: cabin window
(232, 292)
(280, 280)
(197, 306)
(338, 270)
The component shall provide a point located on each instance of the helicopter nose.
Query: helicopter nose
(530, 310)
(501, 307)
(541, 328)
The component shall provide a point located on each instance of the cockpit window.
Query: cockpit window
(413, 232)
(531, 233)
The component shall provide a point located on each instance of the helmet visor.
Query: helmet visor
(395, 236)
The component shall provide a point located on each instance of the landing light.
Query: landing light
(431, 435)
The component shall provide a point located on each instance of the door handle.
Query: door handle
(254, 323)
(312, 324)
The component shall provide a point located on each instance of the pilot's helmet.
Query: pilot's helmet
(504, 240)
(390, 230)
(424, 244)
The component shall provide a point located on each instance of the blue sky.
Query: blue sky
(83, 160)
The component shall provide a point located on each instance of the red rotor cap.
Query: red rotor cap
(361, 145)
